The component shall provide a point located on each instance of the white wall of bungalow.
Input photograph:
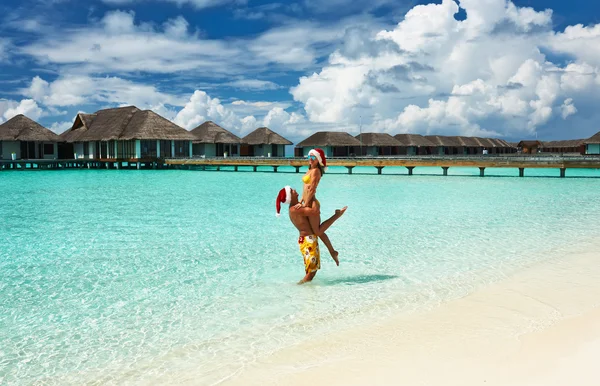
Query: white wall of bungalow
(28, 150)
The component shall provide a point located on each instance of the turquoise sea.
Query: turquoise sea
(172, 276)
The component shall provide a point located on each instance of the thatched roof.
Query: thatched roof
(80, 126)
(124, 123)
(530, 143)
(441, 140)
(566, 143)
(488, 142)
(330, 138)
(593, 139)
(377, 139)
(413, 140)
(264, 136)
(469, 141)
(21, 128)
(210, 132)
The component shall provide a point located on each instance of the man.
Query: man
(308, 240)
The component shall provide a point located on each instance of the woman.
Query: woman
(317, 164)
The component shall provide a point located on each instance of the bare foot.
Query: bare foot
(340, 212)
(334, 255)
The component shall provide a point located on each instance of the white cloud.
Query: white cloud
(578, 41)
(77, 90)
(482, 75)
(119, 22)
(249, 124)
(61, 127)
(252, 84)
(527, 18)
(177, 27)
(27, 107)
(568, 108)
(198, 4)
(201, 107)
(120, 43)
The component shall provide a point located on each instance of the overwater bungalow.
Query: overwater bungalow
(569, 146)
(127, 133)
(264, 142)
(530, 146)
(23, 138)
(214, 141)
(470, 145)
(592, 144)
(378, 144)
(414, 144)
(444, 145)
(333, 143)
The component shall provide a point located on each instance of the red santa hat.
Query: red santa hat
(284, 197)
(320, 155)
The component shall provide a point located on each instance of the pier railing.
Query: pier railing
(518, 161)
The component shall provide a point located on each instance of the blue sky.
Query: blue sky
(512, 70)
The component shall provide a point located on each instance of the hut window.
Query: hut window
(182, 148)
(125, 149)
(86, 149)
(165, 149)
(148, 148)
(48, 148)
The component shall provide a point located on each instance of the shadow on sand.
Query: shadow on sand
(360, 279)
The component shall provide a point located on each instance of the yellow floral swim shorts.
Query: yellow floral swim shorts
(309, 247)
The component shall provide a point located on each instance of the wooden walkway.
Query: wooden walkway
(445, 162)
(410, 162)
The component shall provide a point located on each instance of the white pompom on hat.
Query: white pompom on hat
(320, 155)
(284, 197)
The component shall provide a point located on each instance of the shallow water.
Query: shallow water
(167, 276)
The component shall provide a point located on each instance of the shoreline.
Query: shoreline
(540, 326)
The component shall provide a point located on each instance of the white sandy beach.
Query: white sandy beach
(539, 327)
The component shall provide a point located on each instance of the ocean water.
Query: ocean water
(174, 276)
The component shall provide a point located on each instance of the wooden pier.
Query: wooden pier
(47, 164)
(444, 162)
(562, 163)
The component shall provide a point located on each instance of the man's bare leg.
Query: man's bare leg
(309, 276)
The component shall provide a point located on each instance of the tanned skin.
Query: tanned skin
(300, 218)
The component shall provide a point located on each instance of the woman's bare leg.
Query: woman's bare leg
(319, 230)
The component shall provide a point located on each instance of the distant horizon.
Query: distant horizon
(514, 70)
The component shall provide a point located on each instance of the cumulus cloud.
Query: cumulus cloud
(568, 108)
(201, 107)
(27, 107)
(576, 41)
(484, 75)
(61, 127)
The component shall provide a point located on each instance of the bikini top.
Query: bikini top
(306, 179)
